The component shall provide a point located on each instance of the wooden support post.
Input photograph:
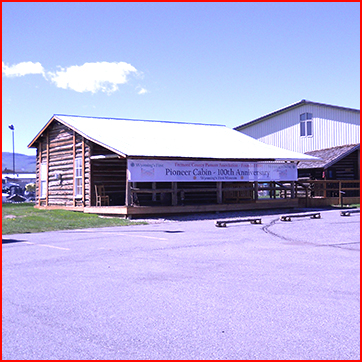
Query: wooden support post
(127, 200)
(74, 152)
(153, 193)
(219, 192)
(292, 187)
(256, 189)
(174, 193)
(90, 178)
(274, 190)
(270, 190)
(38, 185)
(47, 180)
(83, 171)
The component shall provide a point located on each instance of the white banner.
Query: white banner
(193, 171)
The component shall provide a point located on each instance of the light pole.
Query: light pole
(11, 126)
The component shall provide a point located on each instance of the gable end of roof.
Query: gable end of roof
(288, 108)
(56, 117)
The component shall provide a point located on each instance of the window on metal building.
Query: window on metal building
(306, 120)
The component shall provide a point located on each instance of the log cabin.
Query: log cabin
(147, 166)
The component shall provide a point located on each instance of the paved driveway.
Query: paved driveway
(184, 289)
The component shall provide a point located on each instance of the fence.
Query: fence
(330, 188)
(209, 193)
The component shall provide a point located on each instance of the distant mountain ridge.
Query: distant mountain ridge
(23, 163)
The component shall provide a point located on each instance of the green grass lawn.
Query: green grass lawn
(24, 218)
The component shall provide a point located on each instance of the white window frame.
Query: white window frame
(78, 177)
(306, 124)
(43, 180)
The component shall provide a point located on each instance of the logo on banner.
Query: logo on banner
(147, 172)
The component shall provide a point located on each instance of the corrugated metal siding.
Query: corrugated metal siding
(331, 127)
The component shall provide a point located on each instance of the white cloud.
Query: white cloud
(21, 69)
(93, 77)
(89, 77)
(142, 90)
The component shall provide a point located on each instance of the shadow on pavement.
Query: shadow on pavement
(9, 241)
(235, 214)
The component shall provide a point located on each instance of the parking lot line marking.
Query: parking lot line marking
(142, 236)
(52, 246)
(151, 237)
(46, 245)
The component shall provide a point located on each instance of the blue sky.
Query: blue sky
(219, 63)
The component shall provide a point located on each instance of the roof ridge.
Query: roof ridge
(138, 120)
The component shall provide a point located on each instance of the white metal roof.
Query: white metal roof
(142, 138)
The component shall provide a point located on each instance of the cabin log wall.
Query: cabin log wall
(58, 148)
(347, 168)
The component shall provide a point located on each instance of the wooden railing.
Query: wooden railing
(226, 193)
(329, 188)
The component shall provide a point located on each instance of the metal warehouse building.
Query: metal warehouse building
(329, 132)
(306, 126)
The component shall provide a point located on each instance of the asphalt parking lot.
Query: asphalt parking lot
(181, 288)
